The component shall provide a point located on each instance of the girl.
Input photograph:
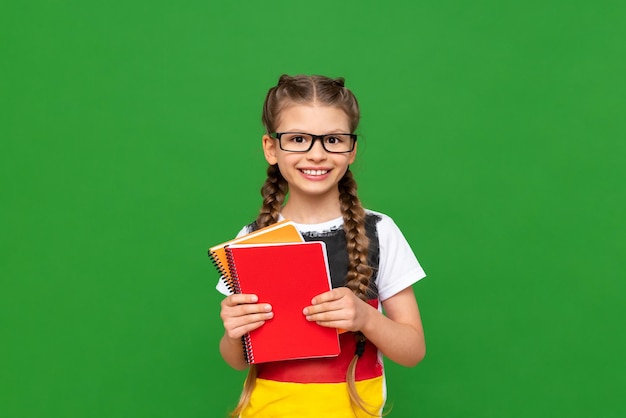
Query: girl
(309, 144)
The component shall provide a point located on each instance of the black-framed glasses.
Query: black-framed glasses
(303, 142)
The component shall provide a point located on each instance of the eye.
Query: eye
(333, 139)
(296, 138)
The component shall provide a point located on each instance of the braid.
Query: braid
(359, 272)
(273, 191)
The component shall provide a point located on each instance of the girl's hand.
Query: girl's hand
(241, 314)
(338, 308)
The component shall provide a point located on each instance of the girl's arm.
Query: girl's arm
(398, 334)
(241, 314)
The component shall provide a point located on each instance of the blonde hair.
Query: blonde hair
(303, 89)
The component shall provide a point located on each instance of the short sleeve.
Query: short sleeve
(398, 267)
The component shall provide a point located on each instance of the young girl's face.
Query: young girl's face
(315, 172)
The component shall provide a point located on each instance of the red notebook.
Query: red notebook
(287, 276)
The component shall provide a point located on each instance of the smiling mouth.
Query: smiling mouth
(315, 172)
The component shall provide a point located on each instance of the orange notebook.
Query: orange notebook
(283, 231)
(287, 276)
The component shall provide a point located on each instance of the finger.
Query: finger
(235, 322)
(242, 329)
(331, 295)
(240, 311)
(252, 308)
(339, 325)
(242, 321)
(238, 299)
(333, 305)
(328, 315)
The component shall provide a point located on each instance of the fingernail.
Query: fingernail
(268, 308)
(254, 298)
(305, 311)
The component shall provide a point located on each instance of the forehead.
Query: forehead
(315, 119)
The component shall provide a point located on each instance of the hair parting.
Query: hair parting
(302, 89)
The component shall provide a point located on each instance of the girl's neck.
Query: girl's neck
(312, 210)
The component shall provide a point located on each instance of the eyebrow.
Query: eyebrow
(334, 131)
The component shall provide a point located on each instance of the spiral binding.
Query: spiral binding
(248, 354)
(221, 269)
(233, 279)
(235, 288)
(217, 263)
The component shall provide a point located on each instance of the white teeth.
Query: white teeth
(314, 172)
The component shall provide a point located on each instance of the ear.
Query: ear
(352, 155)
(269, 149)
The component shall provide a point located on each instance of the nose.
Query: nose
(317, 151)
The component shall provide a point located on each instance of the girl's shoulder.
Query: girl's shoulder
(383, 221)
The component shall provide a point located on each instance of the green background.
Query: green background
(492, 132)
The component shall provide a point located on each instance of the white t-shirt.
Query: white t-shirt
(397, 267)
